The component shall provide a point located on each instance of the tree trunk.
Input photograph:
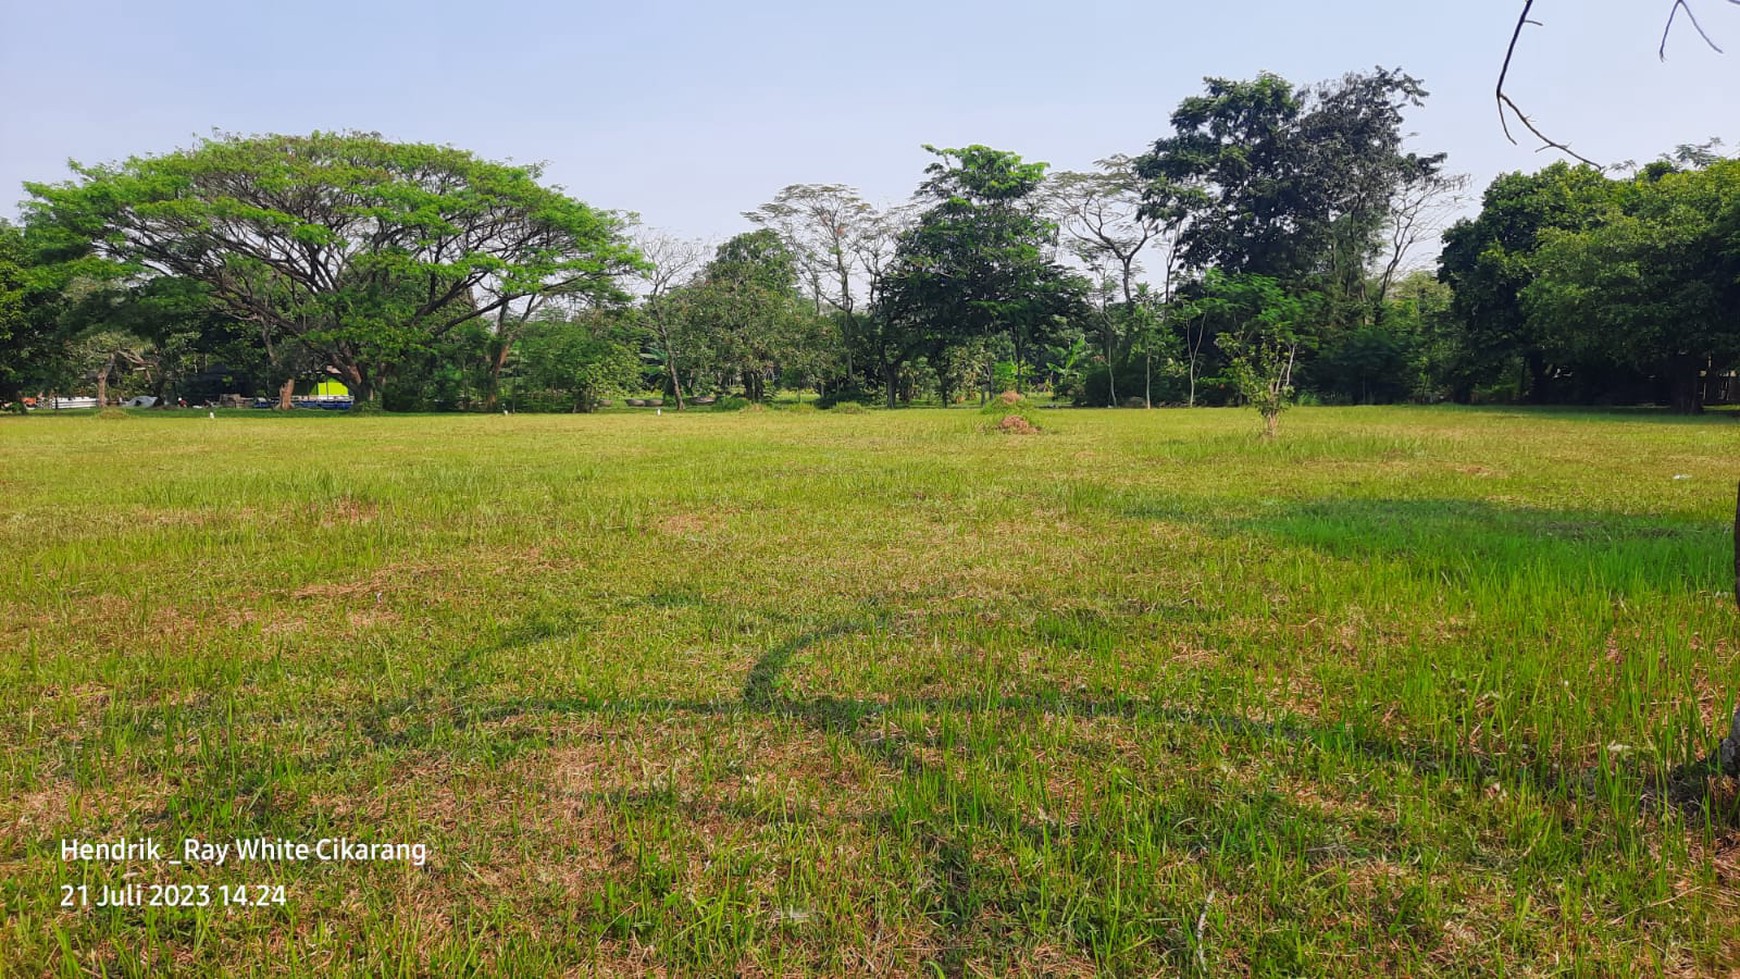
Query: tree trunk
(1728, 753)
(664, 334)
(891, 381)
(103, 388)
(1111, 367)
(1687, 381)
(676, 383)
(286, 391)
(1536, 378)
(361, 390)
(497, 363)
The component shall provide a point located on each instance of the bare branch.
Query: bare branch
(1507, 106)
(1678, 6)
(1505, 103)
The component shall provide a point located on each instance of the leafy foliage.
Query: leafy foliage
(361, 250)
(577, 359)
(1283, 182)
(977, 263)
(1595, 285)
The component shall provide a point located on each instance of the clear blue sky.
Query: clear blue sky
(692, 112)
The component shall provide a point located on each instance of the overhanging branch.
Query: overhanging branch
(1508, 107)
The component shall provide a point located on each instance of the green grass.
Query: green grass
(1425, 691)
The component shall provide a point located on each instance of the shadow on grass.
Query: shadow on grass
(1464, 541)
(1714, 415)
(953, 850)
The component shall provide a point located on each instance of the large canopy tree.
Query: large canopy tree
(362, 250)
(743, 316)
(1652, 282)
(1491, 259)
(668, 261)
(1287, 182)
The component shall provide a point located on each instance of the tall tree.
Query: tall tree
(745, 306)
(841, 244)
(669, 260)
(1489, 261)
(360, 249)
(1419, 212)
(1105, 227)
(978, 261)
(1289, 183)
(43, 277)
(21, 339)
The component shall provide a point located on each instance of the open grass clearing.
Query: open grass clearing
(1409, 690)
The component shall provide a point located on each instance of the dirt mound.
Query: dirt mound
(1016, 425)
(1010, 397)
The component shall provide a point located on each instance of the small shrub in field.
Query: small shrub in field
(730, 403)
(849, 408)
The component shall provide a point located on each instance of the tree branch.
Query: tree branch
(1678, 6)
(1507, 106)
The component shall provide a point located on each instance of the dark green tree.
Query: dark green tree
(743, 316)
(22, 340)
(1652, 282)
(41, 281)
(1285, 182)
(583, 359)
(1490, 260)
(977, 263)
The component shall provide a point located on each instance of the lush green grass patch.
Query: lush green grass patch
(1406, 690)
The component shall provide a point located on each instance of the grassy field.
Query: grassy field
(1424, 691)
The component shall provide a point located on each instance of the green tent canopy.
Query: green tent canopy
(329, 389)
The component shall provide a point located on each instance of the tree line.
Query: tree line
(1267, 248)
